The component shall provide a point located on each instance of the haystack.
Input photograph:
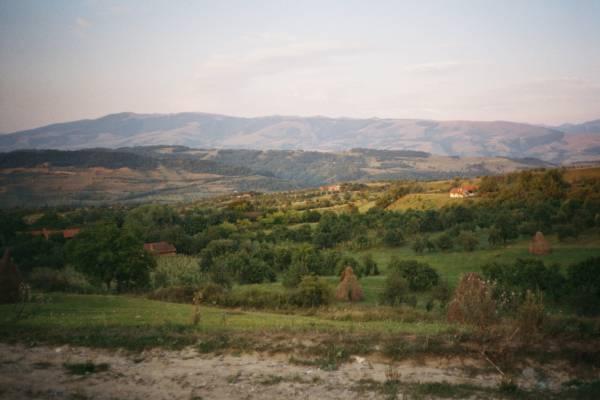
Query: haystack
(539, 245)
(10, 280)
(349, 289)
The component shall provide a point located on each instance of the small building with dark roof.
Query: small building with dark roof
(160, 248)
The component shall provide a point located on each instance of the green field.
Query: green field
(451, 265)
(135, 322)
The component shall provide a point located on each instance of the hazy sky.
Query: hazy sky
(525, 60)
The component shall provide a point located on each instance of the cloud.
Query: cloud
(287, 55)
(82, 23)
(440, 66)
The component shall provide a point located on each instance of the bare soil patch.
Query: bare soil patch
(84, 373)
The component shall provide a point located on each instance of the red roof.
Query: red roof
(68, 233)
(159, 248)
(465, 188)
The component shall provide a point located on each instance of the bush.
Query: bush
(174, 294)
(294, 275)
(468, 240)
(369, 265)
(177, 270)
(312, 292)
(473, 302)
(444, 242)
(531, 314)
(419, 245)
(420, 276)
(256, 298)
(565, 232)
(526, 274)
(584, 303)
(61, 280)
(584, 284)
(393, 238)
(441, 293)
(212, 293)
(396, 289)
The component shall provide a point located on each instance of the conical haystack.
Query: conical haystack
(539, 245)
(10, 280)
(349, 289)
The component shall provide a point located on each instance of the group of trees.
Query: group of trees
(579, 287)
(255, 239)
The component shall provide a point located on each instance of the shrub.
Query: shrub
(526, 274)
(10, 280)
(177, 270)
(565, 232)
(420, 276)
(61, 280)
(294, 275)
(212, 293)
(369, 265)
(396, 289)
(419, 245)
(444, 242)
(256, 298)
(255, 270)
(585, 276)
(584, 303)
(441, 293)
(531, 314)
(468, 240)
(472, 303)
(393, 238)
(174, 294)
(312, 292)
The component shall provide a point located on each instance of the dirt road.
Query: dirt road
(42, 373)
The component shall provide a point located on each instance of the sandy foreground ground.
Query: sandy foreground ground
(39, 373)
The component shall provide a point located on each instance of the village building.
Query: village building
(160, 248)
(68, 233)
(331, 188)
(464, 191)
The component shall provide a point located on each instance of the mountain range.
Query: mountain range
(562, 144)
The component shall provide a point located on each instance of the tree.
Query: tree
(312, 292)
(369, 265)
(419, 245)
(494, 237)
(395, 290)
(444, 242)
(468, 240)
(420, 276)
(106, 254)
(393, 237)
(584, 284)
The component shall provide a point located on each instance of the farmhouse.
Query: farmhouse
(464, 191)
(160, 248)
(68, 233)
(331, 188)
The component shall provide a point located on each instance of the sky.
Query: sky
(527, 61)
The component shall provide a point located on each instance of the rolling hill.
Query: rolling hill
(177, 173)
(563, 144)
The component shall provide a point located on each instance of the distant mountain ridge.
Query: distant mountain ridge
(562, 144)
(177, 173)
